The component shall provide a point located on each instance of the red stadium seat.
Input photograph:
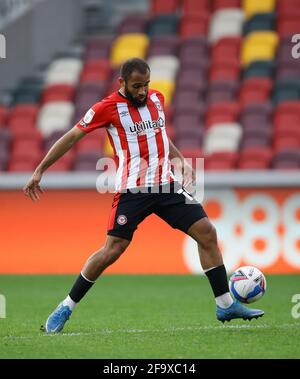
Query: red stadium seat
(21, 123)
(226, 47)
(257, 158)
(26, 134)
(166, 6)
(24, 111)
(95, 70)
(226, 71)
(58, 92)
(221, 4)
(255, 90)
(192, 26)
(222, 112)
(288, 27)
(286, 142)
(22, 166)
(221, 161)
(195, 7)
(3, 114)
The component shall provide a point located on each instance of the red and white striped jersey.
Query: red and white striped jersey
(138, 138)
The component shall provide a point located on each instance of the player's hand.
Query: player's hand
(32, 188)
(188, 175)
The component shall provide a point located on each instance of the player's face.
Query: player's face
(136, 88)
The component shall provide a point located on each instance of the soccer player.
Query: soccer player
(135, 122)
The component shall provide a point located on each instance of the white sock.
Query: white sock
(69, 302)
(224, 301)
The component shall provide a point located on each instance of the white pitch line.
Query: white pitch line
(166, 330)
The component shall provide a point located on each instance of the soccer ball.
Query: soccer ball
(247, 284)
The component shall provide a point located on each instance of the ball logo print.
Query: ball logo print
(247, 284)
(2, 306)
(2, 47)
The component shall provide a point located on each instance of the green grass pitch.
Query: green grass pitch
(163, 316)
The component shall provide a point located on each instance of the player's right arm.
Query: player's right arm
(61, 146)
(96, 117)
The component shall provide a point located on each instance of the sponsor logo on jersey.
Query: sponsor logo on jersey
(89, 116)
(121, 220)
(141, 127)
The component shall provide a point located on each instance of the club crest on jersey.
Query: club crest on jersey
(158, 105)
(141, 127)
(121, 220)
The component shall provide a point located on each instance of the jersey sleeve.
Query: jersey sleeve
(96, 117)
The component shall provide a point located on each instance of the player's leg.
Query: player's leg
(128, 210)
(190, 217)
(92, 269)
(204, 233)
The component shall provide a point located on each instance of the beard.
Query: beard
(135, 102)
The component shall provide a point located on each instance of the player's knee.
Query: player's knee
(206, 235)
(115, 248)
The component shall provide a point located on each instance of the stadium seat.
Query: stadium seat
(58, 92)
(55, 116)
(221, 91)
(256, 136)
(222, 4)
(195, 7)
(259, 68)
(255, 90)
(286, 159)
(3, 114)
(252, 7)
(259, 45)
(226, 47)
(286, 90)
(222, 137)
(167, 6)
(133, 23)
(223, 160)
(191, 80)
(288, 27)
(165, 45)
(98, 48)
(192, 26)
(256, 115)
(162, 25)
(163, 67)
(222, 112)
(95, 70)
(260, 22)
(282, 142)
(255, 158)
(127, 46)
(225, 71)
(225, 23)
(166, 87)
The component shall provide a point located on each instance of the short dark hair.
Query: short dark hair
(133, 64)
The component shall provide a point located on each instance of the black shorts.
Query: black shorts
(129, 209)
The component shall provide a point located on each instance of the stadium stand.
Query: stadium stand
(231, 85)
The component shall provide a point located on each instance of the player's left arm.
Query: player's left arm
(182, 165)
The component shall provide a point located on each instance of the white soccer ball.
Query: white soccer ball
(247, 284)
